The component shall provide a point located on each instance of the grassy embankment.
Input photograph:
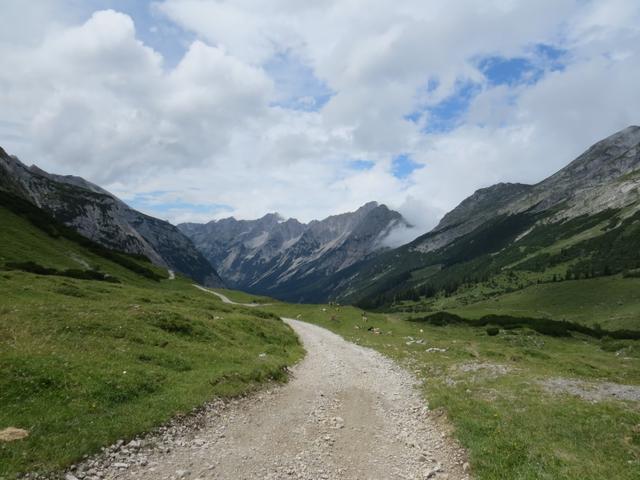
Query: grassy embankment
(490, 388)
(65, 345)
(612, 302)
(84, 363)
(584, 269)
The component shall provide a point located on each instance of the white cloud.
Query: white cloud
(90, 98)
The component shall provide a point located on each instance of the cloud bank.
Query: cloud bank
(314, 108)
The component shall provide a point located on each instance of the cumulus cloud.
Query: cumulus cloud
(273, 103)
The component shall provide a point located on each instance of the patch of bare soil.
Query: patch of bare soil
(593, 392)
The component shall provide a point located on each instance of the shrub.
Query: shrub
(33, 267)
(493, 331)
(441, 319)
(545, 326)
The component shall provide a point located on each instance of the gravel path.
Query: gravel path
(347, 413)
(226, 299)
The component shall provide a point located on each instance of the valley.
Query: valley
(291, 260)
(502, 344)
(336, 240)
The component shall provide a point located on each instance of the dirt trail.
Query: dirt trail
(347, 413)
(226, 299)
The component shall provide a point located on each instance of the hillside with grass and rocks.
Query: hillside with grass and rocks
(100, 216)
(579, 225)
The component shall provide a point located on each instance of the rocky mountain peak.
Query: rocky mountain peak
(588, 184)
(612, 157)
(282, 257)
(476, 209)
(271, 219)
(370, 206)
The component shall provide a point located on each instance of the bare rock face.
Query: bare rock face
(605, 176)
(475, 210)
(102, 217)
(286, 258)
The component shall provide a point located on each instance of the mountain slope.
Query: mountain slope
(102, 217)
(580, 222)
(289, 259)
(585, 186)
(98, 345)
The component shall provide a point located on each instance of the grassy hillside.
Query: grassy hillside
(31, 235)
(21, 241)
(529, 246)
(492, 389)
(244, 297)
(611, 302)
(583, 270)
(84, 363)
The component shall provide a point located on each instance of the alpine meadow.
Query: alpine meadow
(324, 240)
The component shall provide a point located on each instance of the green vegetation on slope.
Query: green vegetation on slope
(30, 234)
(611, 302)
(84, 363)
(525, 248)
(243, 297)
(492, 390)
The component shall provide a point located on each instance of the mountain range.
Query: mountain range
(581, 222)
(103, 218)
(289, 259)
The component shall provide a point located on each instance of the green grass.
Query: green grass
(510, 425)
(84, 363)
(21, 241)
(612, 302)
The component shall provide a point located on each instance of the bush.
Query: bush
(33, 267)
(493, 331)
(440, 319)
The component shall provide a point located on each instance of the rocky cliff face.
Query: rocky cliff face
(102, 217)
(285, 258)
(480, 207)
(605, 176)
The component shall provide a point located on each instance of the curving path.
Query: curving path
(347, 413)
(226, 299)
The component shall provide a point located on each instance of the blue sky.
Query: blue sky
(298, 86)
(403, 166)
(163, 204)
(525, 70)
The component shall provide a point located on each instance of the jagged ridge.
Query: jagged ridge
(285, 258)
